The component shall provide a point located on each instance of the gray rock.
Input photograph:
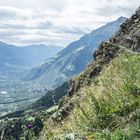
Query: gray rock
(70, 136)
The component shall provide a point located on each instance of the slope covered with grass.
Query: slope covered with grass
(109, 108)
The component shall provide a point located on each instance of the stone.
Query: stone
(138, 11)
(96, 70)
(137, 33)
(137, 20)
(70, 136)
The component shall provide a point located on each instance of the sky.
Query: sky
(57, 22)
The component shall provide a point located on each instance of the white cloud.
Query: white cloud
(7, 12)
(57, 22)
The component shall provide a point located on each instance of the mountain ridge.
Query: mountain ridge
(69, 62)
(13, 58)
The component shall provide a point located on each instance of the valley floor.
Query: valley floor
(16, 94)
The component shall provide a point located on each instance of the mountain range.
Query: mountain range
(73, 59)
(15, 59)
(16, 62)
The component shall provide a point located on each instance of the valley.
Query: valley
(17, 95)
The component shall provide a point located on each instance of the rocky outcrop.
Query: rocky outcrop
(129, 33)
(106, 52)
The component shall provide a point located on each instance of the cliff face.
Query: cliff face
(127, 37)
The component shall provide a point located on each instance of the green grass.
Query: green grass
(110, 109)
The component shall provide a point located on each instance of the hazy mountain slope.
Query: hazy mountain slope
(10, 58)
(74, 58)
(18, 59)
(39, 53)
(52, 97)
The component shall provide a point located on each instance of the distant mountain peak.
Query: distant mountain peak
(121, 18)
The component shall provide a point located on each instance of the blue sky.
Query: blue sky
(57, 21)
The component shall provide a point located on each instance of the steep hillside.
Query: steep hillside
(129, 30)
(39, 53)
(74, 58)
(108, 109)
(104, 101)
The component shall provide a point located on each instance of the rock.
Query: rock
(71, 88)
(70, 136)
(95, 71)
(106, 52)
(136, 21)
(61, 102)
(66, 109)
(138, 11)
(137, 34)
(129, 33)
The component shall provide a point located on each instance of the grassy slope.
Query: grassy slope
(109, 108)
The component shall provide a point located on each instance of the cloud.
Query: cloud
(57, 22)
(11, 12)
(121, 7)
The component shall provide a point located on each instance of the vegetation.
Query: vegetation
(27, 128)
(109, 109)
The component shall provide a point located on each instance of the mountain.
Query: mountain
(15, 59)
(39, 53)
(102, 103)
(72, 59)
(11, 60)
